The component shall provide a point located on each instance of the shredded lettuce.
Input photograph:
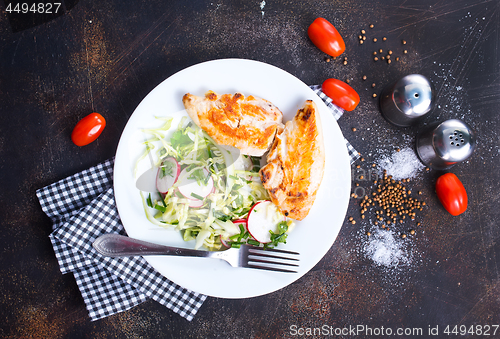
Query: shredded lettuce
(237, 185)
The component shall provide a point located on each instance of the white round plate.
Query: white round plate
(312, 237)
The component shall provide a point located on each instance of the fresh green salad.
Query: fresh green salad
(209, 193)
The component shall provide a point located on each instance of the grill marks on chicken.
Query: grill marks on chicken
(296, 159)
(247, 123)
(295, 163)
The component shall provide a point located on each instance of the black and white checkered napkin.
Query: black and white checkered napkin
(337, 113)
(82, 207)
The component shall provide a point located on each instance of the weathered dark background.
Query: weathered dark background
(105, 56)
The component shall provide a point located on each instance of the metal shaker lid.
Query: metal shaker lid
(413, 95)
(408, 100)
(454, 140)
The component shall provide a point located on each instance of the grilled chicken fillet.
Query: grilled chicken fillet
(247, 123)
(295, 163)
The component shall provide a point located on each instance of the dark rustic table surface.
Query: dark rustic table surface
(106, 56)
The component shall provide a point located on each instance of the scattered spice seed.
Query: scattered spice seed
(371, 26)
(373, 85)
(392, 203)
(360, 42)
(404, 42)
(384, 38)
(375, 59)
(412, 232)
(364, 77)
(374, 95)
(380, 50)
(403, 235)
(374, 39)
(389, 52)
(363, 31)
(347, 80)
(327, 60)
(405, 51)
(364, 37)
(397, 58)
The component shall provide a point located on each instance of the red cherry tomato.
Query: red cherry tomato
(451, 192)
(326, 37)
(341, 94)
(88, 129)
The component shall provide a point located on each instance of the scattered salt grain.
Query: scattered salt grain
(386, 250)
(403, 164)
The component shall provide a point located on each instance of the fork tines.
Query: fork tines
(271, 259)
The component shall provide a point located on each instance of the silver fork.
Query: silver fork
(116, 245)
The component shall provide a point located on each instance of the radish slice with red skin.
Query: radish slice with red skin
(196, 203)
(163, 183)
(236, 222)
(187, 187)
(260, 221)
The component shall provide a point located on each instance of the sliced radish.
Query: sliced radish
(190, 188)
(195, 203)
(164, 182)
(262, 218)
(237, 223)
